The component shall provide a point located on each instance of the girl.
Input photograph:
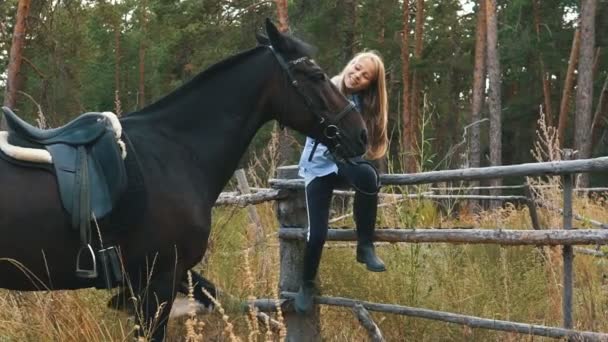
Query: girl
(363, 81)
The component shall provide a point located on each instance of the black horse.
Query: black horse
(188, 145)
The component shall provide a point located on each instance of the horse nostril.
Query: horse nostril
(364, 137)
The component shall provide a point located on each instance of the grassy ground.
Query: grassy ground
(521, 284)
(511, 283)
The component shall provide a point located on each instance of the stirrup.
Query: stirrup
(84, 273)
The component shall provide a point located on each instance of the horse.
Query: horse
(186, 146)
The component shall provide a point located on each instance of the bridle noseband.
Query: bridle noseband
(329, 124)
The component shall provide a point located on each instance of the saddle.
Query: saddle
(87, 158)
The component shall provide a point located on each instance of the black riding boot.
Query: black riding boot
(308, 289)
(365, 211)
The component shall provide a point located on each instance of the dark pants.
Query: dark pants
(318, 200)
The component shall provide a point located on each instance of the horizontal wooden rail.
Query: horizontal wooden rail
(469, 236)
(478, 173)
(248, 199)
(470, 321)
(476, 197)
(471, 188)
(598, 189)
(507, 187)
(575, 216)
(589, 251)
(266, 195)
(528, 169)
(383, 195)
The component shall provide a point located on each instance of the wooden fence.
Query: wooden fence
(288, 192)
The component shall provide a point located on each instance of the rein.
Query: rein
(329, 125)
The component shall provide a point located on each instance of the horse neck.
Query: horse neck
(213, 120)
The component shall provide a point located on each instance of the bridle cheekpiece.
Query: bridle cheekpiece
(329, 125)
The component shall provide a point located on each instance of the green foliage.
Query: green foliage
(71, 52)
(72, 58)
(7, 12)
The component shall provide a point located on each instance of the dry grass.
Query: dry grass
(513, 283)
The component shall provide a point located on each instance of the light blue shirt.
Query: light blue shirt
(322, 162)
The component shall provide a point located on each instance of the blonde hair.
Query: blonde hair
(375, 104)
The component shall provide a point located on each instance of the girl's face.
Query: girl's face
(359, 74)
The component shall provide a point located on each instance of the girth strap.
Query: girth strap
(81, 205)
(81, 215)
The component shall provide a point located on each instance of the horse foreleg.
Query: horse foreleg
(122, 302)
(198, 284)
(156, 302)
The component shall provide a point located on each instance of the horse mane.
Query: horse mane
(296, 45)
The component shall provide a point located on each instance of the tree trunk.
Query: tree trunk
(405, 77)
(568, 86)
(416, 93)
(350, 26)
(584, 89)
(596, 60)
(479, 78)
(117, 27)
(142, 55)
(600, 112)
(285, 139)
(479, 83)
(282, 15)
(15, 57)
(546, 81)
(382, 21)
(494, 100)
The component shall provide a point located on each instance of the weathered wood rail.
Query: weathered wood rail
(507, 237)
(478, 173)
(469, 321)
(292, 218)
(291, 211)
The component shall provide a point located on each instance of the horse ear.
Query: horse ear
(276, 38)
(262, 39)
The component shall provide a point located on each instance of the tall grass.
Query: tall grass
(518, 283)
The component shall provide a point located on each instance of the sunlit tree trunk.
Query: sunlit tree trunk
(479, 78)
(15, 57)
(416, 92)
(285, 139)
(568, 87)
(479, 83)
(282, 15)
(584, 89)
(406, 129)
(494, 100)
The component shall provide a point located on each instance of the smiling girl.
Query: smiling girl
(363, 82)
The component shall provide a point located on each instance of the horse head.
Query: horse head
(313, 105)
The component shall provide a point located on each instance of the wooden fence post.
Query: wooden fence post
(258, 229)
(568, 254)
(292, 214)
(531, 203)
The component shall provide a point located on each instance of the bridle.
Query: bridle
(329, 124)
